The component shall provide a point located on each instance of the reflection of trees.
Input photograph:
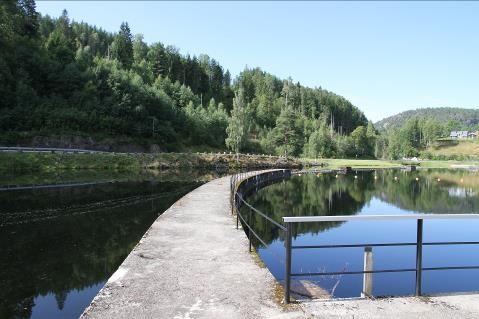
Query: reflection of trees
(307, 195)
(72, 251)
(428, 195)
(311, 195)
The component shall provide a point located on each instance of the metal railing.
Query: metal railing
(243, 183)
(290, 221)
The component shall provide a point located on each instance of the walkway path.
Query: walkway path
(193, 263)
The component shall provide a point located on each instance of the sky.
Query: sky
(385, 57)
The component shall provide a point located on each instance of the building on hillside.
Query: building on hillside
(459, 134)
(463, 134)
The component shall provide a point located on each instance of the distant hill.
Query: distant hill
(466, 117)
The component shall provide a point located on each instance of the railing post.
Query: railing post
(232, 193)
(419, 257)
(287, 273)
(368, 277)
(249, 229)
(237, 211)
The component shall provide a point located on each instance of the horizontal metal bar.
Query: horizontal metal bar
(382, 271)
(352, 272)
(445, 243)
(451, 268)
(353, 245)
(452, 243)
(311, 219)
(262, 214)
(251, 230)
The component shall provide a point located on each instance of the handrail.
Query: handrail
(419, 218)
(262, 214)
(237, 199)
(340, 218)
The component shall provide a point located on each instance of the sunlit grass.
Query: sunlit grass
(371, 163)
(463, 147)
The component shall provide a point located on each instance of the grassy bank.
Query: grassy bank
(50, 162)
(360, 163)
(35, 162)
(338, 163)
(465, 148)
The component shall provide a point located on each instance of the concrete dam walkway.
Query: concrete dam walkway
(194, 263)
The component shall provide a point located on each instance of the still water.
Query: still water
(374, 192)
(60, 243)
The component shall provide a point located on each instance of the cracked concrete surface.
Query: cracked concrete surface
(440, 307)
(193, 263)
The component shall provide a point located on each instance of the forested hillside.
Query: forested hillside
(424, 132)
(455, 118)
(64, 77)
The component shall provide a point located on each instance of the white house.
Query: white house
(459, 134)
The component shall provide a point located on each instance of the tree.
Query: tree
(361, 142)
(371, 135)
(237, 124)
(432, 130)
(140, 49)
(30, 17)
(122, 46)
(320, 143)
(60, 44)
(286, 136)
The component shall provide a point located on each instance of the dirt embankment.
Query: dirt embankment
(219, 161)
(32, 162)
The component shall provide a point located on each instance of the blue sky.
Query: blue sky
(385, 57)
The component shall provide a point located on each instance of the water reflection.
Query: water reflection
(371, 192)
(60, 244)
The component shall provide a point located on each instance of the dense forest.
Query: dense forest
(414, 133)
(454, 118)
(64, 77)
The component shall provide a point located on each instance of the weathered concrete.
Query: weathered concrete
(444, 307)
(193, 263)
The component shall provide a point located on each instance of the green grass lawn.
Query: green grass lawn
(371, 163)
(360, 163)
(461, 147)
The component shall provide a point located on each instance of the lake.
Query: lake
(366, 193)
(64, 236)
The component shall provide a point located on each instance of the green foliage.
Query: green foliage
(237, 129)
(454, 118)
(122, 46)
(64, 77)
(286, 136)
(320, 143)
(414, 136)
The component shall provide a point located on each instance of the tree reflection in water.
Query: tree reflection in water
(66, 242)
(372, 192)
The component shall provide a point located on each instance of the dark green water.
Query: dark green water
(374, 192)
(59, 245)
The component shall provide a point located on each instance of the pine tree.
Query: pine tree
(320, 143)
(140, 48)
(30, 17)
(237, 124)
(286, 136)
(122, 46)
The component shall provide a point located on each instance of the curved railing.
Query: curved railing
(243, 183)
